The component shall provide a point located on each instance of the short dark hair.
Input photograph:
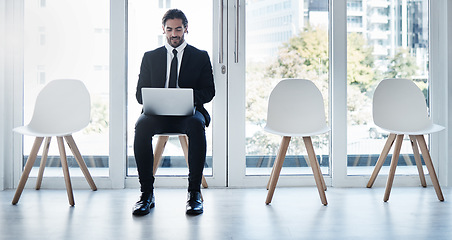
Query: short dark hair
(175, 14)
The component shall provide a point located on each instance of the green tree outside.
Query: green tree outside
(306, 56)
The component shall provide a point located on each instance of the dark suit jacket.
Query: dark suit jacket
(195, 72)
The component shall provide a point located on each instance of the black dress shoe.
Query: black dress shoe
(142, 207)
(194, 203)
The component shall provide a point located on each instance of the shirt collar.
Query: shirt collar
(179, 49)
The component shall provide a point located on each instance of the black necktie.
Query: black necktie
(173, 71)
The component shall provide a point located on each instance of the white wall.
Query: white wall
(2, 92)
(439, 86)
(449, 89)
(7, 71)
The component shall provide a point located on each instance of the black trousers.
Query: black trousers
(147, 126)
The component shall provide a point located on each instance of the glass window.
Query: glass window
(283, 44)
(393, 43)
(62, 41)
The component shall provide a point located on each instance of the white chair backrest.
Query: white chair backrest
(399, 106)
(296, 108)
(62, 107)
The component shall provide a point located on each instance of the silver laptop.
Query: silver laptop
(168, 101)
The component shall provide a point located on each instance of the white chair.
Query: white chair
(399, 107)
(160, 147)
(296, 109)
(61, 108)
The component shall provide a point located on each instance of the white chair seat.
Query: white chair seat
(32, 131)
(300, 134)
(431, 128)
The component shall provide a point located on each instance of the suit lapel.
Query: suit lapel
(185, 61)
(161, 68)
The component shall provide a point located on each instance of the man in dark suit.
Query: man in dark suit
(158, 70)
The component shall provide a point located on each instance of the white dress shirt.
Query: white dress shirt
(169, 58)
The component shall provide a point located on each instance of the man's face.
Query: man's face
(174, 31)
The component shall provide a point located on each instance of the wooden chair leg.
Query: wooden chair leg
(315, 169)
(183, 139)
(45, 153)
(308, 163)
(64, 165)
(381, 159)
(158, 151)
(81, 163)
(278, 165)
(271, 174)
(394, 160)
(30, 161)
(417, 159)
(429, 164)
(184, 144)
(320, 171)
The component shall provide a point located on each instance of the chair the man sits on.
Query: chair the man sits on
(160, 147)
